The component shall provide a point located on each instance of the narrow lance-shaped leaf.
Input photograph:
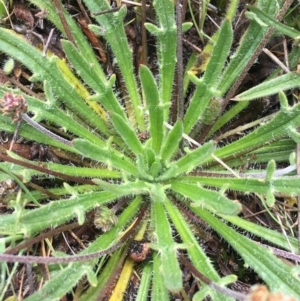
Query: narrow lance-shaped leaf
(227, 116)
(102, 88)
(155, 169)
(194, 250)
(271, 87)
(254, 183)
(127, 133)
(159, 290)
(166, 48)
(58, 212)
(50, 111)
(272, 270)
(171, 144)
(213, 70)
(219, 54)
(26, 173)
(111, 263)
(266, 234)
(194, 158)
(248, 44)
(284, 29)
(54, 287)
(143, 169)
(154, 106)
(106, 155)
(169, 268)
(79, 87)
(27, 131)
(201, 197)
(264, 134)
(112, 29)
(144, 287)
(131, 188)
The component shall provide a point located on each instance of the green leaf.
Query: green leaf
(219, 55)
(150, 157)
(214, 67)
(169, 266)
(166, 49)
(171, 143)
(247, 46)
(194, 158)
(251, 184)
(82, 44)
(107, 155)
(127, 133)
(132, 188)
(170, 173)
(271, 167)
(144, 287)
(212, 200)
(47, 69)
(294, 134)
(267, 234)
(143, 169)
(271, 87)
(227, 116)
(263, 135)
(277, 275)
(153, 29)
(64, 169)
(101, 87)
(186, 26)
(3, 11)
(157, 191)
(9, 64)
(197, 255)
(53, 289)
(154, 105)
(283, 29)
(159, 290)
(83, 171)
(155, 169)
(70, 275)
(252, 16)
(112, 29)
(57, 212)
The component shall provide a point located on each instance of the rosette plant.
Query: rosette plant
(149, 161)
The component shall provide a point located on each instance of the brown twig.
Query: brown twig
(63, 20)
(144, 33)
